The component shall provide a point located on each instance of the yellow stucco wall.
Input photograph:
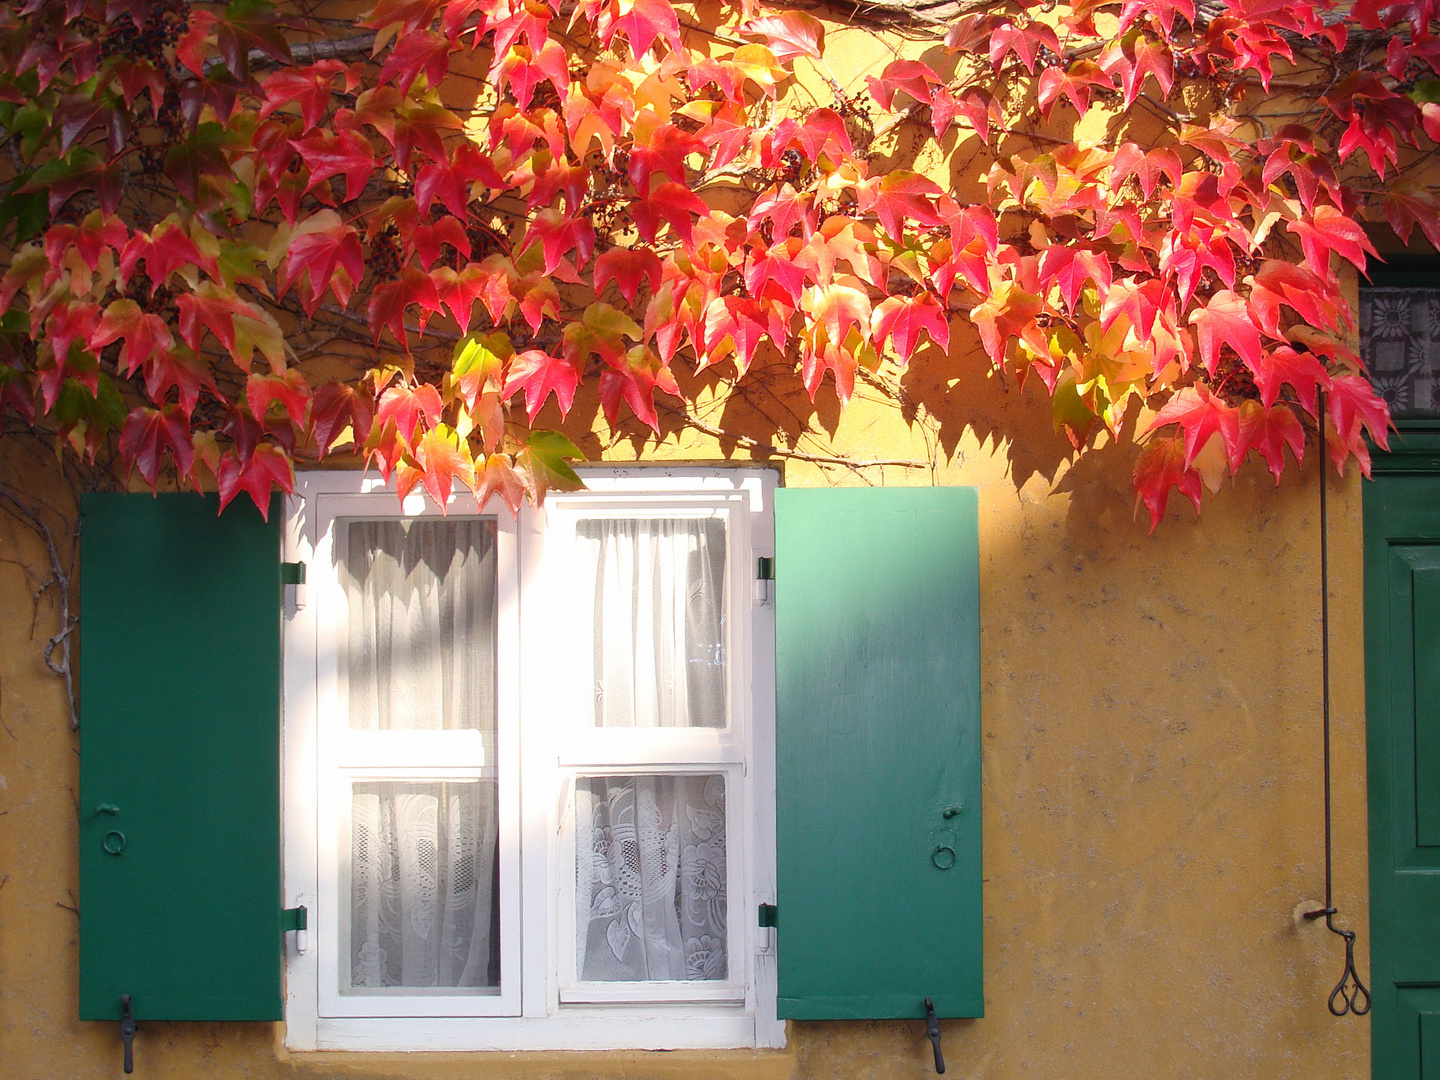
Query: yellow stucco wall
(1151, 766)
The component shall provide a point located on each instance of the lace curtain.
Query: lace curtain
(1400, 344)
(657, 634)
(650, 878)
(421, 656)
(423, 871)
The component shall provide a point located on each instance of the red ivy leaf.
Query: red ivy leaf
(1200, 414)
(389, 301)
(405, 406)
(1285, 365)
(181, 369)
(1226, 320)
(148, 433)
(1269, 431)
(345, 153)
(1160, 468)
(670, 202)
(498, 477)
(1354, 406)
(267, 468)
(901, 196)
(539, 374)
(1330, 230)
(415, 52)
(326, 253)
(789, 34)
(290, 390)
(627, 267)
(144, 334)
(900, 319)
(338, 406)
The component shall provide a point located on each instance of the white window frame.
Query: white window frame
(541, 1006)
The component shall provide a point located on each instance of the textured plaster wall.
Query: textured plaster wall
(1152, 788)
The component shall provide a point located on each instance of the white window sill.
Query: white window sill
(577, 1029)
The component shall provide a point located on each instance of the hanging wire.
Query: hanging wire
(1350, 994)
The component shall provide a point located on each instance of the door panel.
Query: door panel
(1425, 591)
(1402, 643)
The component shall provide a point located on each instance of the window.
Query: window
(1400, 336)
(528, 800)
(509, 829)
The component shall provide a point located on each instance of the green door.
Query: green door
(1402, 660)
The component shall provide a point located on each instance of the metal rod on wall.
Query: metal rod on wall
(1350, 994)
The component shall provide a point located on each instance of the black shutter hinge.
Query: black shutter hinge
(769, 916)
(292, 576)
(764, 579)
(298, 920)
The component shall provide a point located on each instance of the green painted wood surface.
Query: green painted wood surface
(1417, 1035)
(180, 707)
(1425, 582)
(1402, 623)
(877, 738)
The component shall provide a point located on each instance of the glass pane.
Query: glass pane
(656, 630)
(421, 634)
(1400, 344)
(423, 885)
(650, 878)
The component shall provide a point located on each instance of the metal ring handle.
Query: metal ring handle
(943, 857)
(114, 842)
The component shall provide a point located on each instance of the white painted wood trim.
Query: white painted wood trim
(532, 941)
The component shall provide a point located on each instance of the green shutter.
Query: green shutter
(878, 752)
(179, 759)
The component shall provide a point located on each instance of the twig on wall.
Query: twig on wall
(59, 650)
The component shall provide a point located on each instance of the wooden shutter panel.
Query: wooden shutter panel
(878, 752)
(179, 759)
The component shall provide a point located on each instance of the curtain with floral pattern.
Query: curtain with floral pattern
(650, 878)
(1400, 344)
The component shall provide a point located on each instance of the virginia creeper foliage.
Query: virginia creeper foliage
(509, 199)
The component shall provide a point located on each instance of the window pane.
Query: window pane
(421, 634)
(650, 878)
(1400, 344)
(657, 627)
(423, 876)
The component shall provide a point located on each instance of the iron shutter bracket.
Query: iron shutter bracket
(932, 1029)
(127, 1031)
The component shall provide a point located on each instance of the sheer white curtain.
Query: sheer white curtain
(657, 626)
(422, 885)
(421, 599)
(421, 656)
(650, 878)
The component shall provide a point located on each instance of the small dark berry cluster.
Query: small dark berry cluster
(1233, 379)
(159, 32)
(384, 259)
(792, 166)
